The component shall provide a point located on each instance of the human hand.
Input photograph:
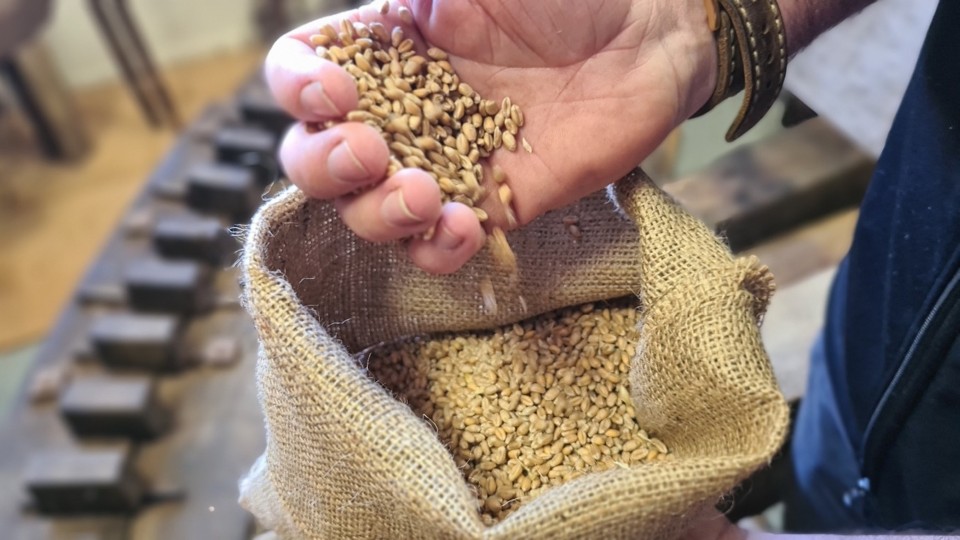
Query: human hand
(601, 84)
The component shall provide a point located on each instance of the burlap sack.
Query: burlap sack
(346, 460)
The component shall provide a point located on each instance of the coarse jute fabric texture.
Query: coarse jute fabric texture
(344, 459)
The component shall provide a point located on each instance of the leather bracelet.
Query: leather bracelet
(752, 53)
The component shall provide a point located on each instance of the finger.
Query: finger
(311, 88)
(335, 161)
(308, 87)
(406, 204)
(457, 238)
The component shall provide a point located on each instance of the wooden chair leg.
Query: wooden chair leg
(155, 84)
(46, 101)
(117, 50)
(129, 51)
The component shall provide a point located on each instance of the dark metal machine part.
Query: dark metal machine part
(259, 109)
(84, 481)
(228, 190)
(109, 406)
(194, 238)
(233, 143)
(136, 341)
(251, 147)
(218, 431)
(155, 285)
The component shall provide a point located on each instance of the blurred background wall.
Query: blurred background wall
(177, 31)
(55, 212)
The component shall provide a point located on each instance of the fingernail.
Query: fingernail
(445, 238)
(344, 165)
(396, 212)
(314, 99)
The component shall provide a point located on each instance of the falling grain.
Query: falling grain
(500, 249)
(488, 296)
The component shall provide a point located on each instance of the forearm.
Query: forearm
(807, 19)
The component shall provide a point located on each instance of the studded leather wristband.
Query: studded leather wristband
(752, 52)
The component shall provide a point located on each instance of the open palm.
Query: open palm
(598, 82)
(601, 84)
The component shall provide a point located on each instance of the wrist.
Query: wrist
(704, 80)
(695, 43)
(752, 57)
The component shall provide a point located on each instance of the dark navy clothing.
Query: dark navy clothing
(890, 341)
